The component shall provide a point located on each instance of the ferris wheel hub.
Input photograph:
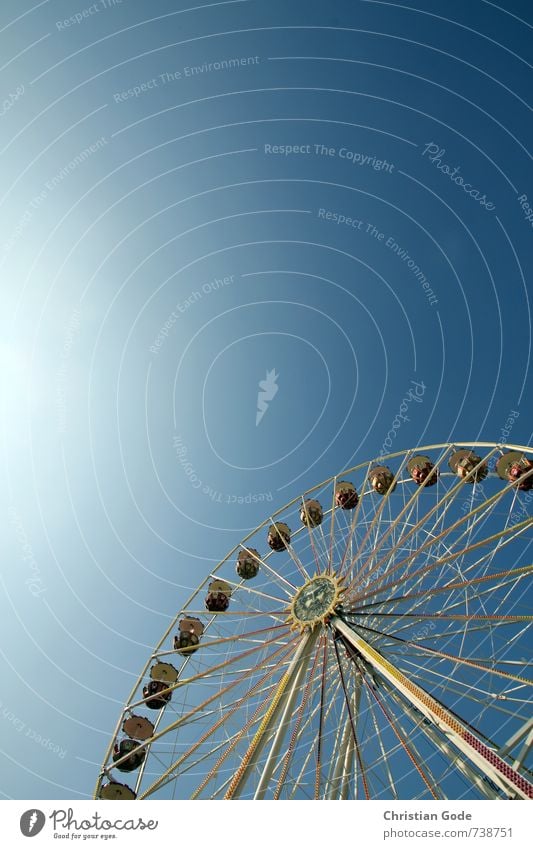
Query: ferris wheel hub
(315, 602)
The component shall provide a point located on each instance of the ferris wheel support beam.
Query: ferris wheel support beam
(348, 770)
(526, 731)
(444, 746)
(249, 762)
(392, 784)
(332, 785)
(497, 770)
(344, 764)
(272, 759)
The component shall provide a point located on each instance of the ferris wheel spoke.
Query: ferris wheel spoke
(200, 709)
(277, 577)
(292, 554)
(373, 609)
(342, 772)
(403, 649)
(443, 505)
(422, 765)
(510, 586)
(344, 570)
(352, 529)
(518, 573)
(421, 667)
(394, 620)
(278, 702)
(297, 783)
(329, 703)
(311, 540)
(223, 787)
(403, 518)
(256, 690)
(284, 722)
(347, 776)
(210, 670)
(455, 759)
(503, 535)
(403, 537)
(256, 716)
(383, 761)
(478, 524)
(196, 763)
(323, 550)
(194, 714)
(504, 538)
(475, 665)
(408, 646)
(430, 676)
(340, 533)
(228, 614)
(384, 755)
(329, 567)
(526, 568)
(470, 725)
(452, 604)
(376, 517)
(482, 692)
(395, 637)
(401, 738)
(457, 616)
(242, 586)
(338, 736)
(227, 752)
(209, 644)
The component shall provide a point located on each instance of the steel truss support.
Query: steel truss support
(333, 785)
(442, 743)
(489, 762)
(524, 733)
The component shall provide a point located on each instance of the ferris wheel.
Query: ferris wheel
(370, 640)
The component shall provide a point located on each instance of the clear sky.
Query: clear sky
(193, 196)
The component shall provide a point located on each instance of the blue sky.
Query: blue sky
(193, 197)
